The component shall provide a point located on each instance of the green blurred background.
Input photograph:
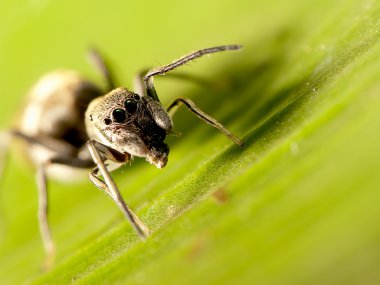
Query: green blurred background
(297, 205)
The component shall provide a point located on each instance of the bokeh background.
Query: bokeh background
(297, 205)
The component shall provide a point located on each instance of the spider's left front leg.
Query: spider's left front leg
(146, 87)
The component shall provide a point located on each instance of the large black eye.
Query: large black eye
(130, 105)
(119, 115)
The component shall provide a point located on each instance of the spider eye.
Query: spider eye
(119, 115)
(130, 105)
(107, 121)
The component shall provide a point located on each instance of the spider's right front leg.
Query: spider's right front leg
(100, 153)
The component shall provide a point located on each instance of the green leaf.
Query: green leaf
(298, 204)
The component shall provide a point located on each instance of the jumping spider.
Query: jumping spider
(68, 123)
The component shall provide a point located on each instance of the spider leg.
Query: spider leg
(100, 63)
(56, 146)
(203, 116)
(108, 185)
(148, 78)
(43, 205)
